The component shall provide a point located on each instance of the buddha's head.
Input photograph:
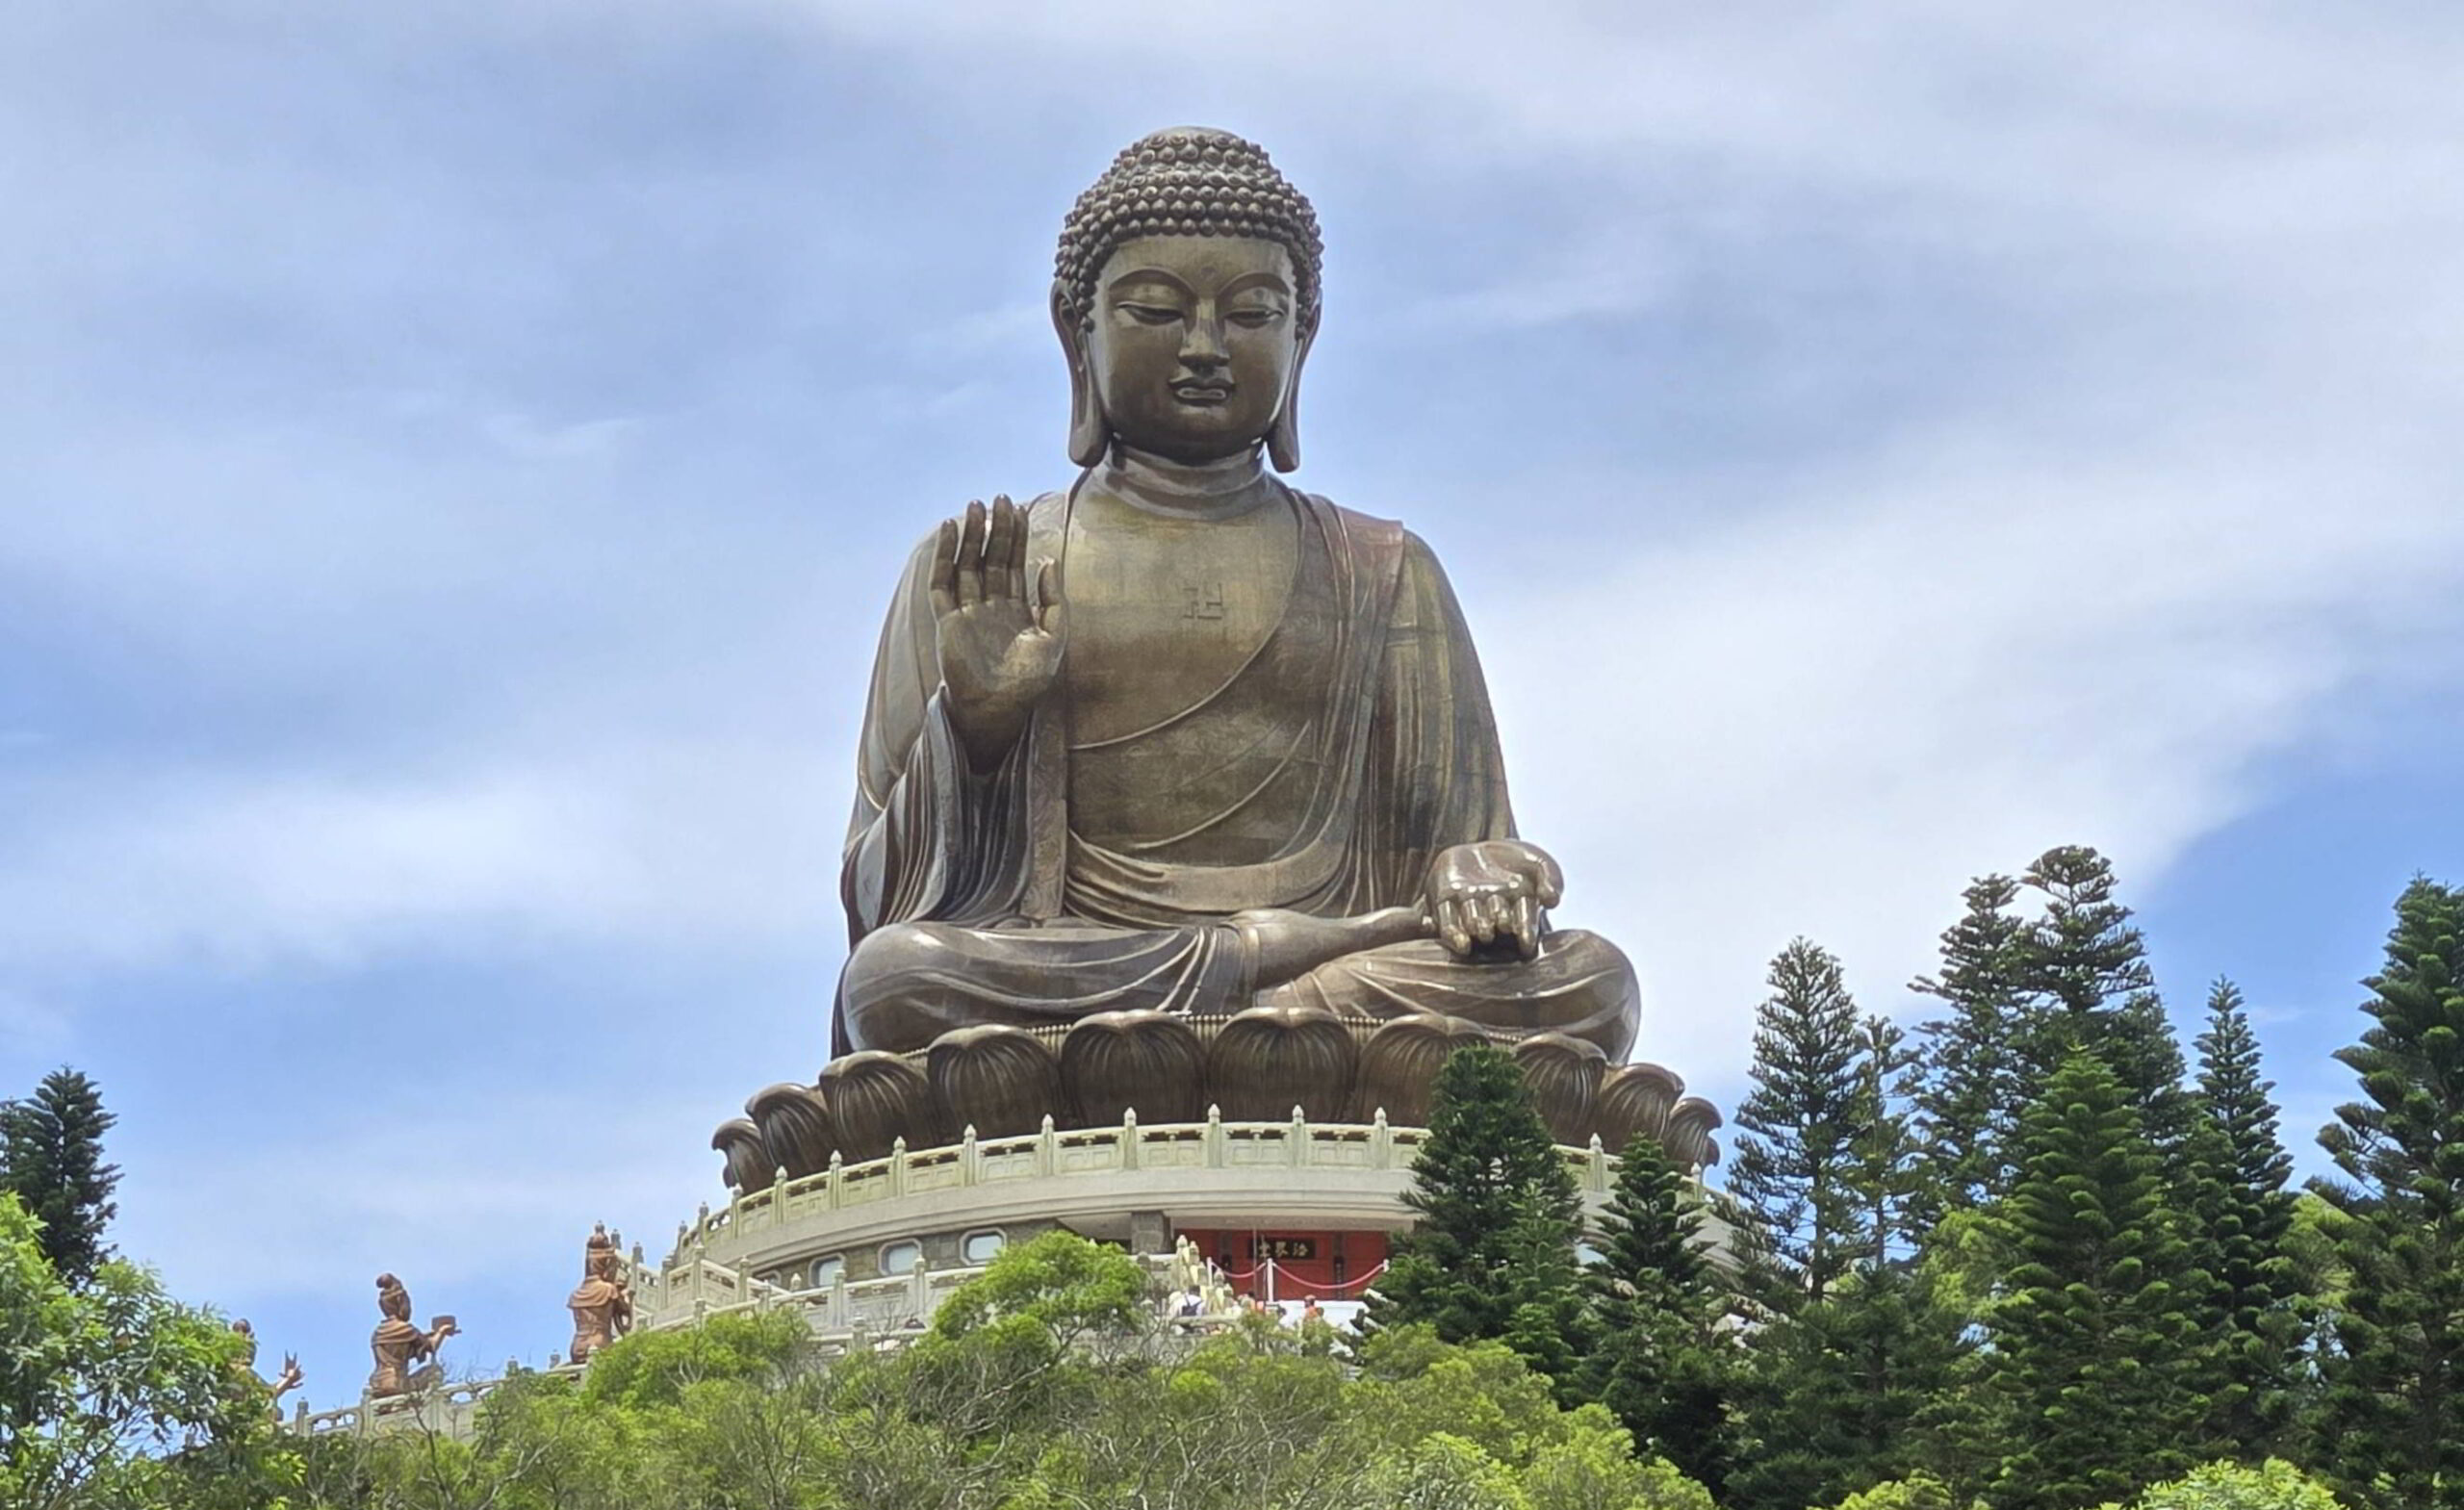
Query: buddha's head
(1186, 296)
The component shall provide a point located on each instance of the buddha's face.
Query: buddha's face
(1195, 342)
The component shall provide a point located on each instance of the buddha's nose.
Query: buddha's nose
(1203, 346)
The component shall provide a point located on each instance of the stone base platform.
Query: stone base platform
(877, 1244)
(1267, 1062)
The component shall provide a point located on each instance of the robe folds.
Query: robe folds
(972, 896)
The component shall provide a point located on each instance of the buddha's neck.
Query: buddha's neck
(1219, 489)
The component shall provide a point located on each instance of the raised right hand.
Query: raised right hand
(999, 654)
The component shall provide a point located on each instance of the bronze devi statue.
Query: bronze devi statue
(290, 1379)
(1178, 788)
(603, 1303)
(398, 1344)
(1182, 736)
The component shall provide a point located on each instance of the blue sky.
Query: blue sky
(459, 453)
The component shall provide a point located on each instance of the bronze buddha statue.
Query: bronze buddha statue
(1180, 786)
(1182, 737)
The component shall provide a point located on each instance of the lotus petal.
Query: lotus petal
(1564, 1074)
(876, 1098)
(1267, 1059)
(1000, 1080)
(1151, 1062)
(1635, 1102)
(749, 1165)
(1399, 1063)
(1688, 1138)
(795, 1126)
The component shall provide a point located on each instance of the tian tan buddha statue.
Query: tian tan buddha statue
(1180, 786)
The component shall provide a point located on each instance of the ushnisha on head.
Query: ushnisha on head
(1186, 295)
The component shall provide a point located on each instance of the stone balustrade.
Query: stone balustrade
(1214, 1144)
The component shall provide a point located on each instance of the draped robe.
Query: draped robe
(975, 897)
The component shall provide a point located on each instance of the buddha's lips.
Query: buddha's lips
(1202, 393)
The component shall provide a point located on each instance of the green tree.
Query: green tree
(1793, 1167)
(1499, 1214)
(2241, 1221)
(1661, 1359)
(113, 1394)
(1967, 1091)
(1839, 1395)
(2092, 1352)
(2394, 1395)
(2086, 963)
(2272, 1485)
(51, 1156)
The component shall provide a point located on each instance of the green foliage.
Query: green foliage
(1490, 1256)
(2086, 965)
(658, 1368)
(1069, 1287)
(2240, 1219)
(1841, 1391)
(1915, 1492)
(1233, 1424)
(51, 1157)
(2272, 1485)
(1661, 1362)
(2395, 1399)
(1968, 1092)
(1794, 1166)
(1847, 1392)
(2094, 1357)
(102, 1385)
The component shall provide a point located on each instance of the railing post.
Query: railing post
(1382, 1142)
(838, 1312)
(838, 1169)
(1214, 1136)
(897, 1171)
(970, 1158)
(1299, 1136)
(1596, 1175)
(1129, 1137)
(1047, 1148)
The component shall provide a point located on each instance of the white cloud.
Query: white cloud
(1824, 720)
(676, 841)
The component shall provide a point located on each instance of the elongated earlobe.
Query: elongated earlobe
(1090, 433)
(1283, 437)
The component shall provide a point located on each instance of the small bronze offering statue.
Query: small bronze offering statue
(290, 1379)
(398, 1344)
(603, 1303)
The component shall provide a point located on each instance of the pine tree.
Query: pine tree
(1495, 1199)
(1966, 1093)
(2092, 1352)
(52, 1143)
(2088, 964)
(1887, 1170)
(2241, 1217)
(1793, 1163)
(2394, 1395)
(1547, 1323)
(1660, 1360)
(1839, 1391)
